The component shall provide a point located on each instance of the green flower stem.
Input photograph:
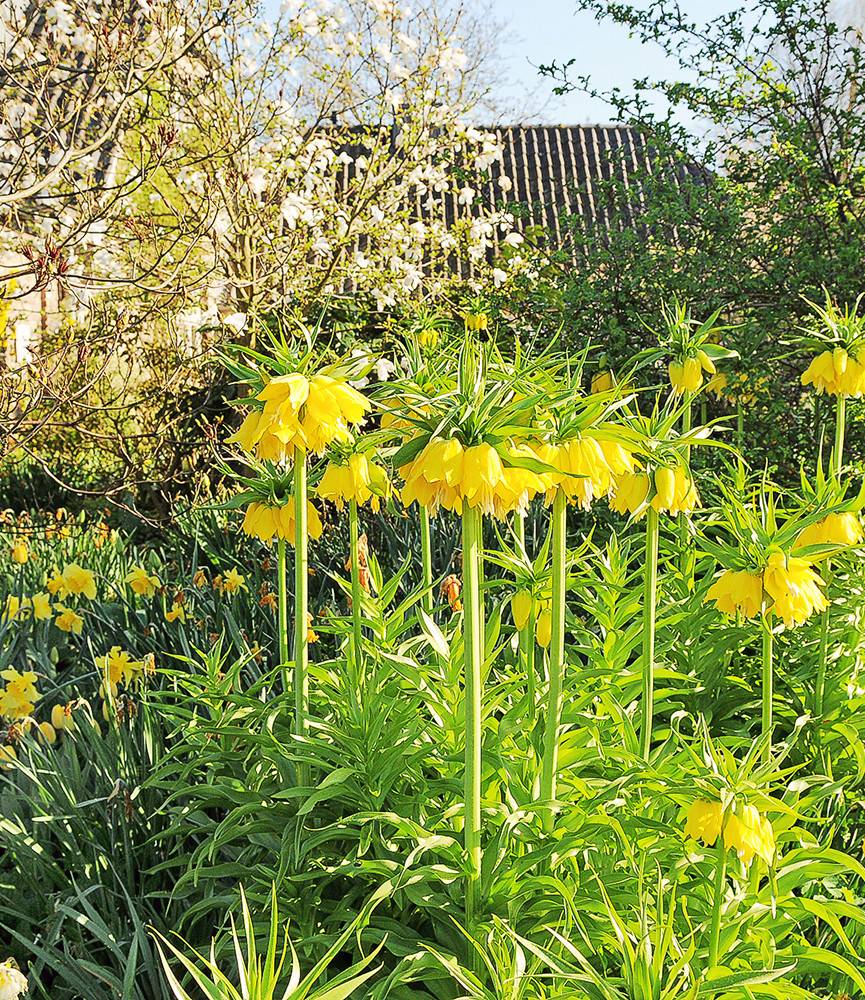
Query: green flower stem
(473, 644)
(840, 427)
(717, 900)
(282, 605)
(549, 764)
(650, 597)
(740, 428)
(527, 633)
(301, 603)
(426, 560)
(685, 564)
(823, 663)
(356, 630)
(766, 715)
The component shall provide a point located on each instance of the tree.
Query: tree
(303, 158)
(756, 196)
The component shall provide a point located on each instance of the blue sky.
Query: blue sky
(541, 31)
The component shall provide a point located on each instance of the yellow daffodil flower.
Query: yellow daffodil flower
(77, 580)
(142, 583)
(18, 698)
(177, 612)
(232, 581)
(118, 667)
(20, 552)
(68, 620)
(13, 984)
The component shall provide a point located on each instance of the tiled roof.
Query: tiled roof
(561, 179)
(571, 177)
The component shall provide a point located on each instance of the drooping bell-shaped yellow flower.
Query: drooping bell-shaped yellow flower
(675, 492)
(836, 373)
(521, 608)
(704, 821)
(794, 587)
(745, 830)
(686, 374)
(301, 413)
(631, 490)
(586, 468)
(445, 474)
(544, 624)
(737, 591)
(750, 835)
(359, 479)
(266, 523)
(843, 528)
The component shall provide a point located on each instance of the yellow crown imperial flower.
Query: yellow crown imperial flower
(301, 413)
(445, 474)
(844, 528)
(746, 831)
(265, 522)
(630, 493)
(521, 608)
(359, 480)
(737, 590)
(77, 580)
(836, 373)
(68, 620)
(544, 624)
(675, 492)
(794, 587)
(583, 471)
(685, 375)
